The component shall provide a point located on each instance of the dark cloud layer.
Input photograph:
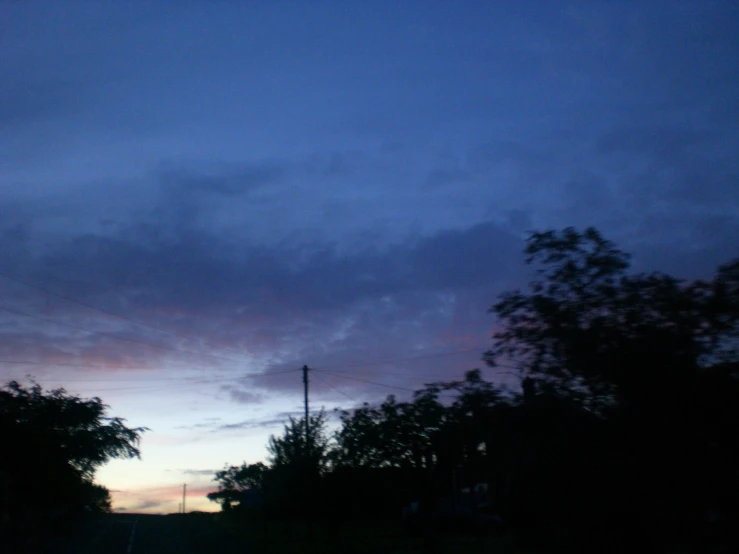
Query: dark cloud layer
(255, 186)
(362, 194)
(229, 182)
(202, 281)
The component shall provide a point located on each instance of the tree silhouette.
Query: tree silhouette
(393, 434)
(644, 352)
(53, 443)
(595, 332)
(234, 481)
(297, 464)
(626, 431)
(291, 448)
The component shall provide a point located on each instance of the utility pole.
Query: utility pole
(184, 492)
(306, 452)
(305, 389)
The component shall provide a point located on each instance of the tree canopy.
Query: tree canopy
(593, 330)
(234, 481)
(54, 442)
(626, 426)
(296, 448)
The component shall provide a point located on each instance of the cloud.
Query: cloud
(354, 201)
(231, 181)
(256, 300)
(147, 505)
(25, 100)
(243, 396)
(207, 423)
(300, 301)
(251, 424)
(199, 471)
(333, 247)
(276, 420)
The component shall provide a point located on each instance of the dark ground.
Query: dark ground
(205, 534)
(135, 534)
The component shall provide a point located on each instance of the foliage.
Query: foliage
(394, 434)
(76, 426)
(475, 422)
(597, 333)
(233, 481)
(96, 497)
(625, 431)
(643, 351)
(54, 443)
(420, 433)
(296, 448)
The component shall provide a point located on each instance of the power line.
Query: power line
(134, 380)
(188, 380)
(337, 389)
(141, 368)
(81, 366)
(365, 381)
(189, 338)
(107, 367)
(411, 358)
(445, 377)
(201, 381)
(375, 382)
(150, 387)
(369, 364)
(106, 312)
(408, 359)
(116, 337)
(90, 306)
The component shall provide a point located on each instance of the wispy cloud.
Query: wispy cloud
(251, 424)
(199, 471)
(358, 209)
(243, 396)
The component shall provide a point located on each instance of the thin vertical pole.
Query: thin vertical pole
(305, 390)
(184, 493)
(306, 452)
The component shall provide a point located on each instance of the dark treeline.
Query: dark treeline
(52, 444)
(622, 435)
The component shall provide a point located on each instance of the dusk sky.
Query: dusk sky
(224, 191)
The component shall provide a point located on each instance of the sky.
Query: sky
(197, 198)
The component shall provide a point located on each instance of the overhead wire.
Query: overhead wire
(154, 345)
(197, 381)
(405, 359)
(329, 367)
(189, 338)
(445, 376)
(363, 380)
(337, 389)
(108, 312)
(116, 337)
(81, 366)
(145, 388)
(366, 381)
